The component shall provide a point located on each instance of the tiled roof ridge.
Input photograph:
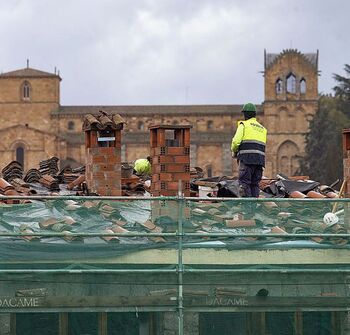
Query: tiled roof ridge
(28, 72)
(102, 121)
(310, 58)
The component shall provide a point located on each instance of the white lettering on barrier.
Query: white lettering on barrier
(19, 302)
(227, 302)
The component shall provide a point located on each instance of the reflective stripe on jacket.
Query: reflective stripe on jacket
(252, 147)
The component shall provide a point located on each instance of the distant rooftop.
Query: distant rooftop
(27, 73)
(153, 109)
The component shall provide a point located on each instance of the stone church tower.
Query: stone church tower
(27, 99)
(291, 101)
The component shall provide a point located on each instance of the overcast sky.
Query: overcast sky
(134, 52)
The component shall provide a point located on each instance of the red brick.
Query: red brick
(158, 151)
(175, 151)
(182, 159)
(175, 168)
(165, 159)
(112, 174)
(155, 186)
(156, 168)
(113, 159)
(116, 192)
(98, 175)
(187, 138)
(184, 176)
(111, 151)
(93, 139)
(104, 167)
(113, 181)
(172, 186)
(118, 138)
(98, 159)
(166, 176)
(93, 151)
(153, 138)
(160, 137)
(87, 140)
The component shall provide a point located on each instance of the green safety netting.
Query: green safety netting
(209, 223)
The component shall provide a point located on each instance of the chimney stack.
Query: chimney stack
(103, 153)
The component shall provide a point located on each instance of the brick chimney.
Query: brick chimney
(103, 153)
(170, 154)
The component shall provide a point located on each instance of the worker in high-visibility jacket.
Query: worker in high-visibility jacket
(248, 145)
(142, 167)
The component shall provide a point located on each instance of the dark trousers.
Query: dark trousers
(249, 178)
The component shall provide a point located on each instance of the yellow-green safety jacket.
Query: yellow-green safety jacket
(142, 166)
(249, 142)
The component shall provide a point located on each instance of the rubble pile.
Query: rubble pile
(54, 180)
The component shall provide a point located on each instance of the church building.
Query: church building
(35, 126)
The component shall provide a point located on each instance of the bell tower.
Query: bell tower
(291, 101)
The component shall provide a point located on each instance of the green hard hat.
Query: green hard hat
(249, 107)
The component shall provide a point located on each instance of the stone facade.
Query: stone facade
(35, 126)
(291, 101)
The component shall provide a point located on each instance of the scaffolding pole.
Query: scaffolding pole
(180, 262)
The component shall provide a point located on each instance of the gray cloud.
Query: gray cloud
(167, 51)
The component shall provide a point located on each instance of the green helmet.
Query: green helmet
(249, 107)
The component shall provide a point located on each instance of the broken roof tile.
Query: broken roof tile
(103, 121)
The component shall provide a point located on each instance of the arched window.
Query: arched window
(291, 83)
(71, 125)
(20, 155)
(210, 124)
(279, 86)
(140, 125)
(26, 90)
(302, 86)
(288, 158)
